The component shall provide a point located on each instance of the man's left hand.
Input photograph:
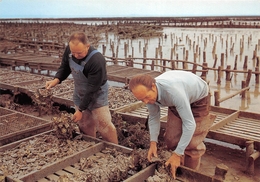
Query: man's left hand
(174, 161)
(77, 116)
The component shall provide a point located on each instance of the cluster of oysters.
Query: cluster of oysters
(64, 127)
(42, 98)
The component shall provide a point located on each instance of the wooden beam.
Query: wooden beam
(228, 119)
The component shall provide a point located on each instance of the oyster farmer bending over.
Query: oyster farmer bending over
(187, 97)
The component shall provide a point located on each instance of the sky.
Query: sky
(126, 8)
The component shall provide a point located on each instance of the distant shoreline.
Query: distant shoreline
(190, 22)
(204, 18)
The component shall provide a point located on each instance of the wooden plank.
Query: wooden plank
(10, 179)
(143, 174)
(183, 174)
(247, 115)
(112, 68)
(107, 144)
(121, 76)
(61, 172)
(66, 102)
(237, 133)
(43, 180)
(132, 107)
(226, 137)
(52, 177)
(242, 131)
(72, 170)
(219, 115)
(225, 121)
(187, 174)
(222, 110)
(138, 114)
(117, 70)
(248, 120)
(247, 126)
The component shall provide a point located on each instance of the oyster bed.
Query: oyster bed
(5, 70)
(106, 165)
(18, 77)
(12, 123)
(33, 154)
(118, 97)
(4, 111)
(66, 86)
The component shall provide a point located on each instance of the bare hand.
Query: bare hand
(77, 116)
(174, 161)
(51, 83)
(152, 151)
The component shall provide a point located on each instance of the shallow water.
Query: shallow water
(226, 41)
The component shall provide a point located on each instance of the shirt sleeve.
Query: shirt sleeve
(154, 121)
(64, 70)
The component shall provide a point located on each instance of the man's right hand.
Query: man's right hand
(152, 151)
(51, 83)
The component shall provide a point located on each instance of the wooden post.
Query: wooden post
(103, 49)
(144, 56)
(243, 93)
(197, 50)
(130, 61)
(152, 65)
(257, 62)
(245, 62)
(257, 75)
(173, 64)
(177, 58)
(114, 59)
(222, 60)
(204, 70)
(235, 65)
(219, 75)
(194, 58)
(184, 53)
(215, 62)
(194, 68)
(186, 59)
(249, 151)
(204, 57)
(117, 51)
(216, 97)
(125, 49)
(228, 73)
(221, 171)
(248, 78)
(172, 50)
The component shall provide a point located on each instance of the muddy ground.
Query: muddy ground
(136, 137)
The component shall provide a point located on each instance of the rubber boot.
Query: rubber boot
(193, 163)
(193, 156)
